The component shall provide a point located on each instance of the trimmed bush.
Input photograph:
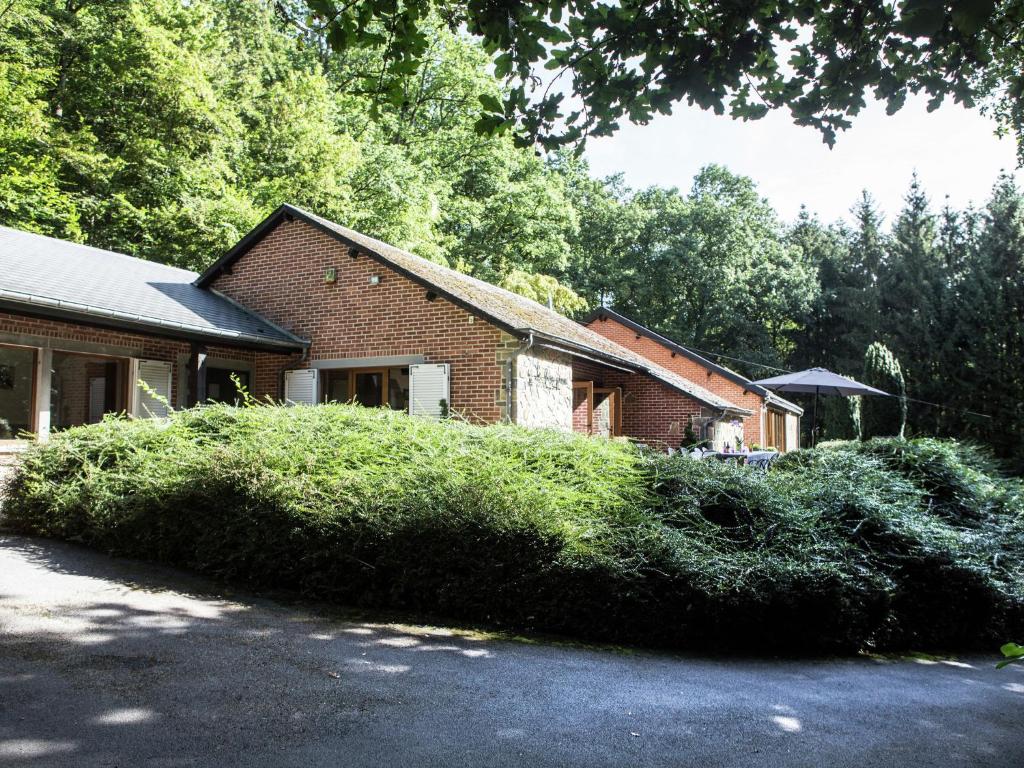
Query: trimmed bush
(847, 547)
(881, 416)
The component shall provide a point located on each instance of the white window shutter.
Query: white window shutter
(300, 386)
(429, 390)
(156, 374)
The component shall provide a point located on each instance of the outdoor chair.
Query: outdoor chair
(762, 460)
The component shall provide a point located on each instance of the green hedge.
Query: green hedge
(888, 544)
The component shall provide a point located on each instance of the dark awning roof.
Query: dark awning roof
(47, 277)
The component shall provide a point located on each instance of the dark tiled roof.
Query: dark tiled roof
(71, 281)
(666, 342)
(510, 311)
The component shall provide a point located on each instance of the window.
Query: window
(84, 387)
(398, 389)
(17, 379)
(371, 387)
(221, 389)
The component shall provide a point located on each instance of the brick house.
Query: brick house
(775, 421)
(304, 310)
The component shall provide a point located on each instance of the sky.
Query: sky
(954, 151)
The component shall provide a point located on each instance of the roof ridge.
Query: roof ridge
(507, 310)
(662, 338)
(482, 283)
(60, 279)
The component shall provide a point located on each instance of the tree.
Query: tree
(831, 325)
(31, 148)
(912, 283)
(996, 335)
(841, 418)
(609, 225)
(712, 269)
(883, 416)
(546, 290)
(167, 130)
(636, 58)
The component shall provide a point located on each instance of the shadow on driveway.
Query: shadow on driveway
(113, 662)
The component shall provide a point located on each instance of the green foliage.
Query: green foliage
(709, 269)
(941, 292)
(167, 130)
(962, 482)
(841, 418)
(1013, 653)
(635, 59)
(545, 290)
(836, 549)
(883, 416)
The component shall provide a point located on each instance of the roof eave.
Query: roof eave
(49, 309)
(643, 330)
(786, 405)
(725, 408)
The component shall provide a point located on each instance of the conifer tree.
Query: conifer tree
(910, 289)
(883, 416)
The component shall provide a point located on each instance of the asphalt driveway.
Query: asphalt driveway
(107, 662)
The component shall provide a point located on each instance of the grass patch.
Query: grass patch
(886, 545)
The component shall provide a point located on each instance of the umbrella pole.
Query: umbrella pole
(814, 419)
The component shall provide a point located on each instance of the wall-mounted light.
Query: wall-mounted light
(331, 275)
(374, 279)
(431, 296)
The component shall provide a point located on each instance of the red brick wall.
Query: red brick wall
(580, 410)
(688, 369)
(282, 278)
(149, 347)
(651, 411)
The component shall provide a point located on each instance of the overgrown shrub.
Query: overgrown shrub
(845, 547)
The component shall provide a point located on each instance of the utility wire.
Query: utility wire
(786, 370)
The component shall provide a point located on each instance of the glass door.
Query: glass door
(17, 385)
(369, 388)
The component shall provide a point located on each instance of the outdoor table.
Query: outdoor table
(723, 456)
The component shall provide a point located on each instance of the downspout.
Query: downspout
(510, 405)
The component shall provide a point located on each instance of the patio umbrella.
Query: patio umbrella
(818, 381)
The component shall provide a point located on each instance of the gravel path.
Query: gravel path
(107, 662)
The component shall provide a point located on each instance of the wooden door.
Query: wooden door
(613, 395)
